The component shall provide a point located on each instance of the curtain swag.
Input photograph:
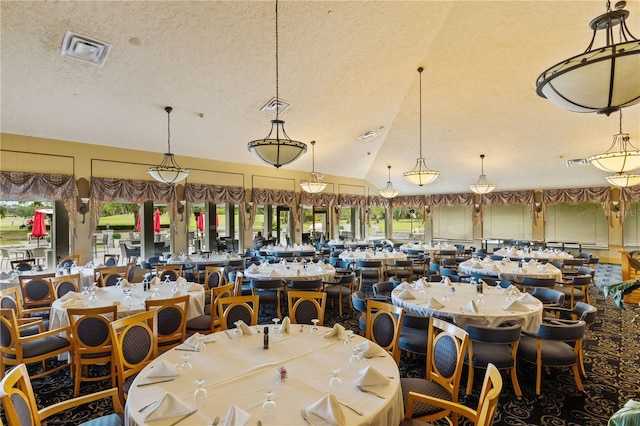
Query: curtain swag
(23, 185)
(198, 193)
(577, 196)
(451, 199)
(409, 201)
(508, 197)
(349, 200)
(319, 199)
(377, 201)
(134, 191)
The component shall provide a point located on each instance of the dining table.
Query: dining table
(115, 295)
(213, 259)
(232, 377)
(464, 304)
(428, 248)
(385, 256)
(550, 255)
(291, 270)
(509, 270)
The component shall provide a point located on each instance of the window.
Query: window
(583, 223)
(377, 222)
(631, 231)
(407, 223)
(507, 222)
(452, 223)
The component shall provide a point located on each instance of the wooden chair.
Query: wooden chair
(481, 416)
(66, 283)
(171, 319)
(66, 261)
(213, 276)
(37, 296)
(101, 274)
(446, 348)
(16, 349)
(402, 270)
(135, 273)
(383, 326)
(370, 270)
(23, 264)
(20, 407)
(575, 290)
(270, 292)
(135, 345)
(306, 305)
(172, 271)
(10, 299)
(232, 309)
(497, 346)
(110, 280)
(210, 322)
(341, 289)
(554, 345)
(92, 342)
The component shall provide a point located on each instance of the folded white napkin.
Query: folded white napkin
(71, 295)
(181, 280)
(190, 343)
(163, 369)
(119, 305)
(329, 409)
(513, 288)
(125, 283)
(406, 295)
(286, 325)
(337, 330)
(155, 280)
(532, 262)
(516, 306)
(496, 268)
(299, 273)
(252, 268)
(472, 307)
(194, 287)
(167, 406)
(368, 349)
(478, 266)
(550, 267)
(72, 303)
(369, 376)
(274, 273)
(246, 330)
(403, 286)
(527, 299)
(446, 280)
(236, 416)
(432, 303)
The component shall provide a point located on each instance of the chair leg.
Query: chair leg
(470, 379)
(576, 376)
(514, 382)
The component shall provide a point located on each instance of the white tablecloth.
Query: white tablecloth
(238, 371)
(510, 270)
(387, 257)
(212, 259)
(291, 271)
(492, 312)
(109, 295)
(546, 254)
(427, 247)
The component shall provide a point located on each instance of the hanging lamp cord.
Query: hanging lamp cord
(168, 109)
(277, 76)
(420, 71)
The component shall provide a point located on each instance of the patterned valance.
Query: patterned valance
(277, 197)
(24, 185)
(217, 194)
(319, 199)
(630, 195)
(349, 200)
(576, 195)
(134, 191)
(377, 201)
(409, 201)
(508, 197)
(451, 199)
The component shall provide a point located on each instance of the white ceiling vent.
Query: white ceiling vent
(369, 135)
(84, 49)
(274, 105)
(577, 162)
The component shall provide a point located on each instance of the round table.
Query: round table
(238, 371)
(386, 257)
(427, 247)
(291, 271)
(509, 270)
(109, 295)
(211, 260)
(546, 254)
(491, 312)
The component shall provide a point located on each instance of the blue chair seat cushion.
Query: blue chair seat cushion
(110, 420)
(425, 387)
(202, 322)
(45, 345)
(413, 340)
(554, 353)
(498, 355)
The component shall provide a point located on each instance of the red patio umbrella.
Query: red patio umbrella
(39, 228)
(201, 222)
(156, 221)
(138, 223)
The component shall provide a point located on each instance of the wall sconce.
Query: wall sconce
(181, 209)
(476, 208)
(427, 210)
(616, 207)
(538, 209)
(248, 207)
(83, 208)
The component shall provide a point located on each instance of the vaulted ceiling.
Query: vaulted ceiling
(346, 67)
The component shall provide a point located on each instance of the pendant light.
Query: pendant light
(622, 156)
(421, 174)
(314, 184)
(389, 191)
(168, 171)
(482, 186)
(278, 149)
(602, 79)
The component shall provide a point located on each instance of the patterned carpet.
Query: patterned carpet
(611, 354)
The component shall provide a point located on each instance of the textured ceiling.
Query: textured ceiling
(346, 66)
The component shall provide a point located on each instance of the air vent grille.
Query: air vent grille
(369, 135)
(577, 162)
(274, 104)
(84, 48)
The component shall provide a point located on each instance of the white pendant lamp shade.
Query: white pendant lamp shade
(314, 184)
(482, 186)
(389, 191)
(602, 79)
(621, 157)
(168, 171)
(624, 180)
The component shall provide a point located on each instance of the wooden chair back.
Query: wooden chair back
(171, 319)
(306, 305)
(232, 309)
(384, 322)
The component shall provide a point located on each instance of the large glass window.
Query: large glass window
(377, 222)
(507, 222)
(583, 223)
(631, 230)
(407, 223)
(350, 223)
(452, 223)
(17, 227)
